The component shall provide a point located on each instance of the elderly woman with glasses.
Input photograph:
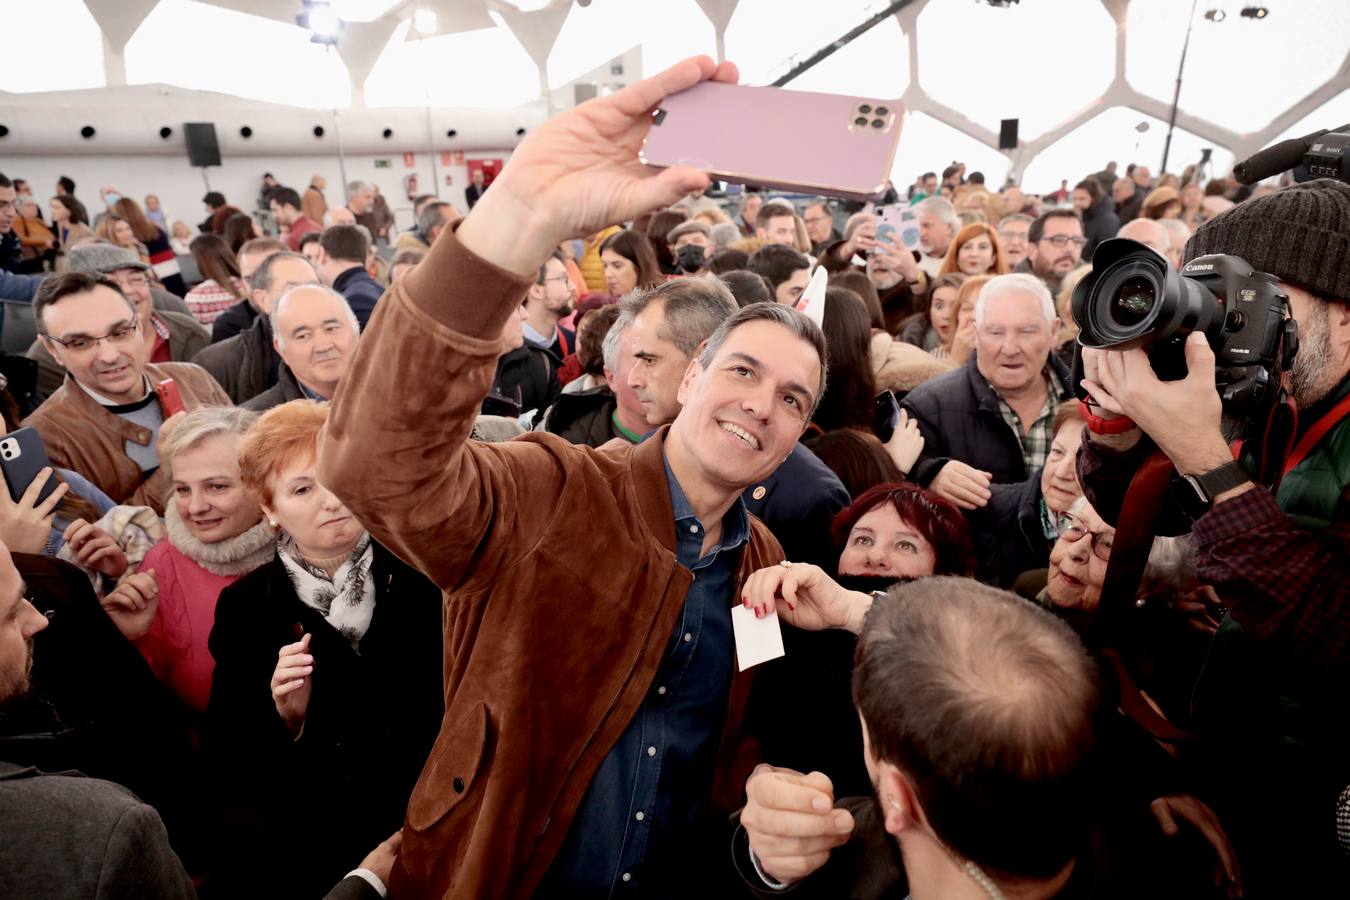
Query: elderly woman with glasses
(326, 697)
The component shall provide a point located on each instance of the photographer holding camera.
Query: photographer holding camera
(1270, 704)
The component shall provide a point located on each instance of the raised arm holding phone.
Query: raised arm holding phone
(582, 676)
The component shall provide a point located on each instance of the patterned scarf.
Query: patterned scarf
(347, 600)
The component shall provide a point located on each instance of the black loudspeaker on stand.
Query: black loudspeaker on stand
(1007, 135)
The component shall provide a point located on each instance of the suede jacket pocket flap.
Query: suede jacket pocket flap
(451, 769)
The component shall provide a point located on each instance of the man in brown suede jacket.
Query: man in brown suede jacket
(105, 420)
(592, 708)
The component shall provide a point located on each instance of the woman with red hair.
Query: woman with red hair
(976, 250)
(893, 532)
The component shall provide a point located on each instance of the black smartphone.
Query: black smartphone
(22, 456)
(886, 416)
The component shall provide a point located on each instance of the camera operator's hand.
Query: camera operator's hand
(1182, 417)
(579, 172)
(898, 259)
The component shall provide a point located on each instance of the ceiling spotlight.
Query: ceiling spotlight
(322, 22)
(1216, 15)
(1254, 12)
(424, 21)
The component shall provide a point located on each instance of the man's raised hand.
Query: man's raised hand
(579, 172)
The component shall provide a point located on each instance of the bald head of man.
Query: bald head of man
(1151, 234)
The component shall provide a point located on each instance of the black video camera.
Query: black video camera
(1134, 298)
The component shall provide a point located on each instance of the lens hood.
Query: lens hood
(1134, 298)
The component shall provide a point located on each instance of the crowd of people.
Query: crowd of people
(431, 563)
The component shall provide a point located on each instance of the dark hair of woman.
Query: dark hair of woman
(940, 523)
(637, 250)
(238, 231)
(860, 284)
(657, 229)
(145, 230)
(216, 262)
(78, 214)
(857, 457)
(850, 386)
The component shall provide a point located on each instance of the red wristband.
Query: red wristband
(1099, 425)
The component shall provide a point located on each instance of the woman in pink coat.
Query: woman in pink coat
(215, 536)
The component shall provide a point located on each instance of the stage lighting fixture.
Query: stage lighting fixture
(321, 21)
(1216, 15)
(387, 133)
(87, 132)
(1254, 12)
(318, 131)
(4, 131)
(246, 132)
(165, 132)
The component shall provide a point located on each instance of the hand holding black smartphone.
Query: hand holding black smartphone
(886, 416)
(22, 457)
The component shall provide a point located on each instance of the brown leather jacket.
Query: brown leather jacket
(553, 629)
(80, 434)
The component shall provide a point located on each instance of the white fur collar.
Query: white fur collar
(238, 555)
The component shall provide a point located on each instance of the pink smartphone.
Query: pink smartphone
(828, 144)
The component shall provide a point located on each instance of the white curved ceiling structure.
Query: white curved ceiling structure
(1088, 79)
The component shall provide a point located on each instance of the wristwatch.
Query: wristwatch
(1205, 487)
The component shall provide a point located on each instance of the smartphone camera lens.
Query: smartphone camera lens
(878, 123)
(861, 120)
(881, 110)
(865, 109)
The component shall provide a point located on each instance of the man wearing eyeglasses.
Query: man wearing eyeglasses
(105, 419)
(547, 302)
(1055, 246)
(820, 226)
(169, 336)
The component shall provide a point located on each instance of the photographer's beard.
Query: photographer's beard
(1312, 376)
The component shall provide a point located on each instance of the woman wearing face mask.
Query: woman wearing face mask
(327, 691)
(215, 536)
(892, 532)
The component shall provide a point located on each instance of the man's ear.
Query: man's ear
(899, 807)
(55, 349)
(609, 377)
(691, 375)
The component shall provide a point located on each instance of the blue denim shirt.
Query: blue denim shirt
(653, 787)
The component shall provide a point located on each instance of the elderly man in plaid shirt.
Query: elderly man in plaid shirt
(1273, 695)
(991, 420)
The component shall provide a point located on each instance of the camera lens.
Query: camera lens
(865, 108)
(878, 123)
(1133, 302)
(861, 120)
(881, 110)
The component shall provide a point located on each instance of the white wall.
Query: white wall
(180, 186)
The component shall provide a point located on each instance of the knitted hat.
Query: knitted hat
(103, 258)
(1300, 235)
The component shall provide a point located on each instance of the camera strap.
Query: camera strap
(1314, 435)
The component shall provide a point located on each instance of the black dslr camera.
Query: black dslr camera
(1134, 298)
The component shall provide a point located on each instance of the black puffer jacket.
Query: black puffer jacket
(244, 365)
(586, 417)
(959, 417)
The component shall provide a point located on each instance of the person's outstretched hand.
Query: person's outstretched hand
(579, 172)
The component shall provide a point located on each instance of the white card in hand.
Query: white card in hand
(757, 640)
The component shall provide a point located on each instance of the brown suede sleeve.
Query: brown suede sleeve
(395, 445)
